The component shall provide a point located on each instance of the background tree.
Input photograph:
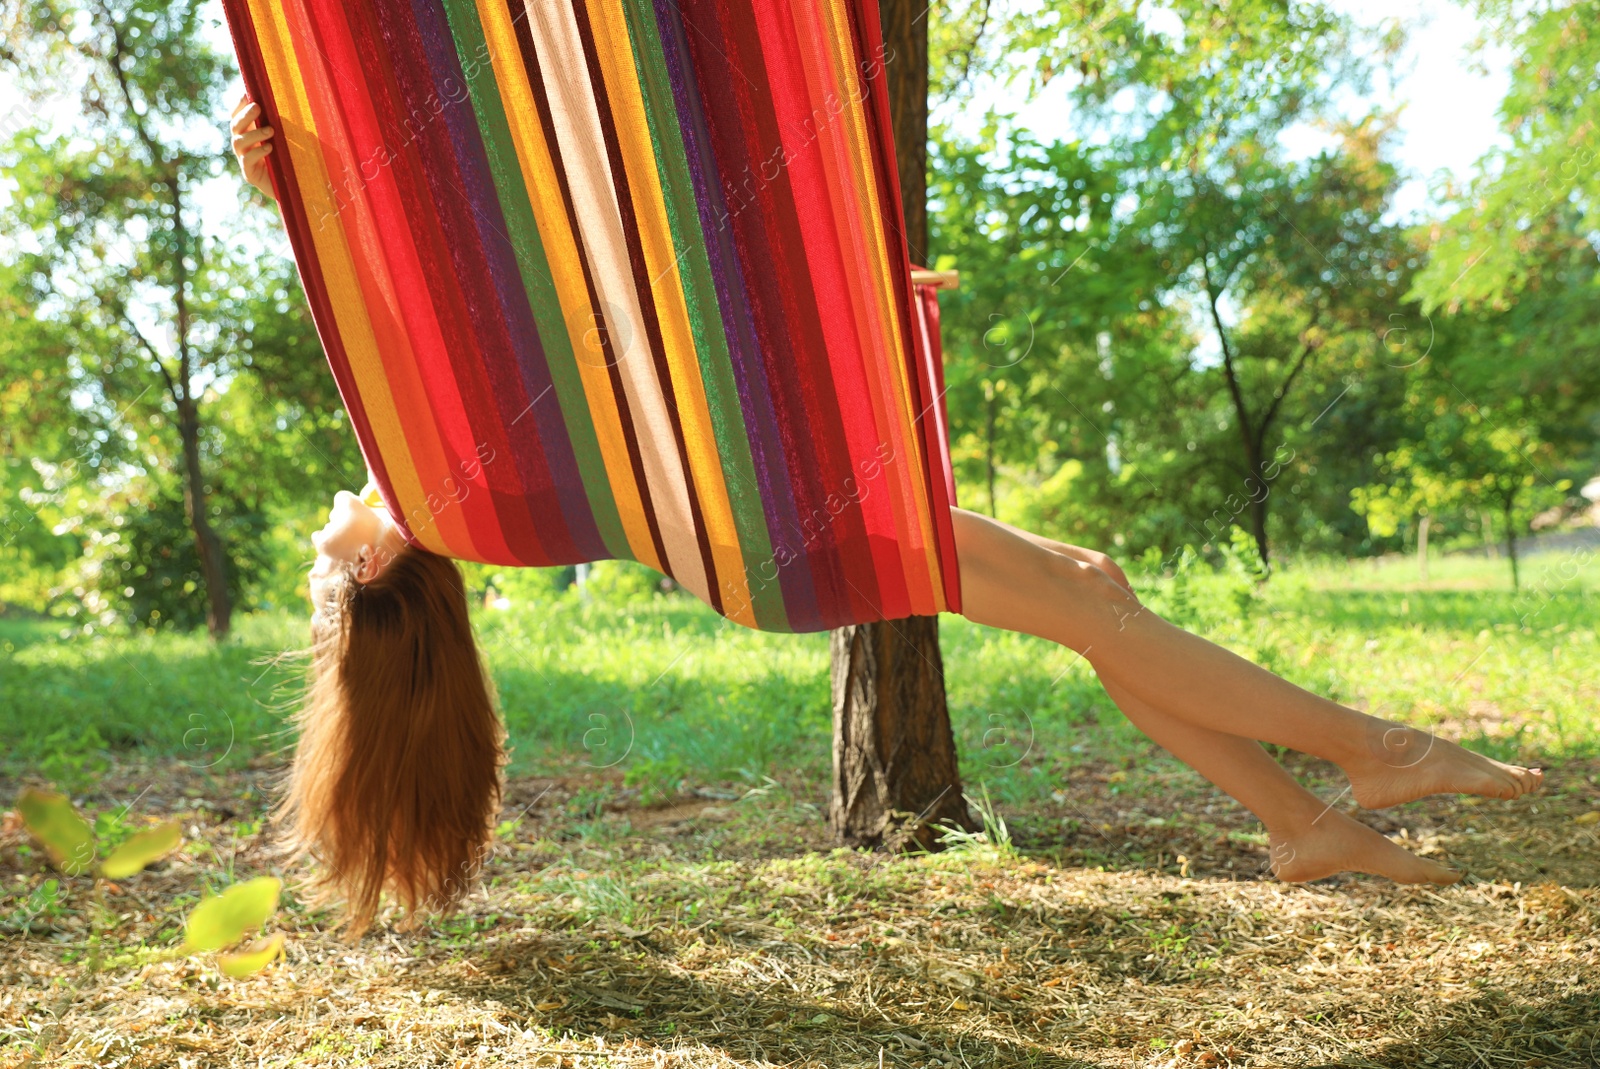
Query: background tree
(115, 223)
(200, 396)
(1164, 299)
(1541, 186)
(1470, 461)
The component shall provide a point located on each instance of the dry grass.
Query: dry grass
(1132, 927)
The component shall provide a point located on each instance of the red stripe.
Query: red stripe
(928, 385)
(328, 94)
(409, 135)
(804, 146)
(783, 307)
(428, 355)
(292, 206)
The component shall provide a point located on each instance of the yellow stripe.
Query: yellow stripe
(855, 127)
(297, 132)
(566, 269)
(661, 260)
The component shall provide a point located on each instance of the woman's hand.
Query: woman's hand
(252, 144)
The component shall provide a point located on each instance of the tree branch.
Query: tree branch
(169, 169)
(119, 49)
(1310, 347)
(121, 312)
(1227, 354)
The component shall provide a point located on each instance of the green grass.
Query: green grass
(666, 691)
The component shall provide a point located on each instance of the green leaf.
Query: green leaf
(53, 820)
(253, 958)
(140, 850)
(224, 919)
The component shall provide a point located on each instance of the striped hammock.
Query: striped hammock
(621, 279)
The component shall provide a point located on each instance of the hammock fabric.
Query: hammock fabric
(621, 279)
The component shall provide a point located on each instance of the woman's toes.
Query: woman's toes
(1407, 764)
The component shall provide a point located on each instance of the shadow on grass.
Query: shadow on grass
(643, 1000)
(1495, 1028)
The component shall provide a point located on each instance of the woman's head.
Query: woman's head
(396, 780)
(357, 542)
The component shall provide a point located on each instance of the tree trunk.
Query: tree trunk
(1258, 530)
(905, 41)
(1422, 545)
(894, 757)
(1511, 542)
(207, 543)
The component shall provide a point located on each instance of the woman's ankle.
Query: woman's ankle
(1295, 817)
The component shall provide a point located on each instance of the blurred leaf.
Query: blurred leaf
(252, 959)
(53, 820)
(224, 919)
(138, 852)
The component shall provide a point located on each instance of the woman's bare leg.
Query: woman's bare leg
(1015, 581)
(1307, 839)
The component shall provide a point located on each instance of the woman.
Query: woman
(396, 781)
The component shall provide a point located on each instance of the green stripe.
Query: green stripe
(473, 50)
(705, 319)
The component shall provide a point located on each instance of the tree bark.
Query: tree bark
(1258, 529)
(895, 775)
(1423, 524)
(207, 543)
(894, 755)
(905, 50)
(1509, 504)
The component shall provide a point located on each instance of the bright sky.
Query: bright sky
(1448, 118)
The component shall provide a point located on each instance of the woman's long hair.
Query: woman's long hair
(395, 784)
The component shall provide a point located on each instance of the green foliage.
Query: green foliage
(1466, 460)
(1200, 594)
(55, 823)
(219, 921)
(222, 920)
(74, 758)
(658, 779)
(991, 844)
(1158, 312)
(177, 398)
(70, 840)
(140, 850)
(1535, 201)
(253, 958)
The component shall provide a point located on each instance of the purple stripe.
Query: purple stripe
(755, 396)
(464, 192)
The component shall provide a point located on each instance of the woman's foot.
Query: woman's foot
(1336, 843)
(1403, 764)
